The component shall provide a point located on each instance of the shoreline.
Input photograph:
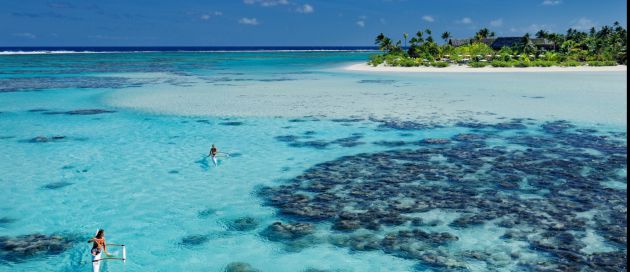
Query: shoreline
(364, 67)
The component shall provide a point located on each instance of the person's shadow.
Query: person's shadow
(203, 163)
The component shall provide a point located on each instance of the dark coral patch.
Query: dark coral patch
(194, 240)
(46, 139)
(80, 112)
(17, 84)
(6, 220)
(24, 247)
(361, 195)
(56, 185)
(242, 224)
(376, 81)
(232, 123)
(206, 213)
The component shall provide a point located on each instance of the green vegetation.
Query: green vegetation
(570, 63)
(604, 47)
(602, 63)
(477, 64)
(501, 63)
(440, 64)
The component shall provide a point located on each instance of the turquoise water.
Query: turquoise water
(139, 173)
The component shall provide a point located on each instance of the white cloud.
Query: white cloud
(465, 20)
(497, 22)
(248, 21)
(26, 35)
(207, 16)
(266, 3)
(361, 23)
(428, 18)
(306, 8)
(583, 24)
(551, 2)
(383, 21)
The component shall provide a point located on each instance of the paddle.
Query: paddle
(101, 259)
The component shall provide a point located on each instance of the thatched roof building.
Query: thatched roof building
(500, 42)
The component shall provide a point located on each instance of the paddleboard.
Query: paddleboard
(96, 263)
(96, 260)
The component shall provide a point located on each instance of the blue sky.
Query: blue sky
(283, 22)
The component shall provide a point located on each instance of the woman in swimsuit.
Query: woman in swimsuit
(213, 154)
(99, 244)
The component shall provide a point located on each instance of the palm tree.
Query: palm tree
(527, 46)
(555, 38)
(482, 34)
(397, 49)
(419, 38)
(542, 34)
(446, 36)
(405, 36)
(379, 38)
(429, 32)
(384, 43)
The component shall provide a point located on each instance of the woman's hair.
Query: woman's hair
(100, 233)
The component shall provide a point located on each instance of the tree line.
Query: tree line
(604, 46)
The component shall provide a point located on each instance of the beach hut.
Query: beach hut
(497, 43)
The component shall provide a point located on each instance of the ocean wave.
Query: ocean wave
(46, 52)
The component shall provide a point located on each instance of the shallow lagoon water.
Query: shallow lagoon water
(139, 173)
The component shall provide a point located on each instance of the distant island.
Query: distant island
(604, 47)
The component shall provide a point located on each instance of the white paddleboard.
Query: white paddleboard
(96, 265)
(96, 260)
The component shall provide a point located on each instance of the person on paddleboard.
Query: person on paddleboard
(213, 153)
(98, 243)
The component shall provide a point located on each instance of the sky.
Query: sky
(284, 22)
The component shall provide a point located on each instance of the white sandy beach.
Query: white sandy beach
(364, 67)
